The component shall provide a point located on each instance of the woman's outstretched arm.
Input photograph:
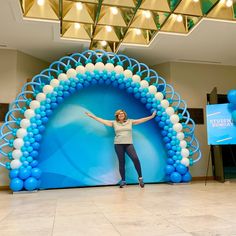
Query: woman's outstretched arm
(105, 122)
(142, 120)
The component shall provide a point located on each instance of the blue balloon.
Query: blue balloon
(170, 161)
(24, 173)
(187, 177)
(36, 172)
(34, 163)
(35, 145)
(31, 184)
(169, 169)
(234, 116)
(182, 169)
(175, 177)
(16, 184)
(13, 173)
(232, 96)
(34, 154)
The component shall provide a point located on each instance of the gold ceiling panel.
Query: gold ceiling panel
(48, 11)
(79, 12)
(189, 7)
(107, 24)
(76, 31)
(155, 5)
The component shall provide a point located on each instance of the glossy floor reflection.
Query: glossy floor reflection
(158, 209)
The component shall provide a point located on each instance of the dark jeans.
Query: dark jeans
(121, 149)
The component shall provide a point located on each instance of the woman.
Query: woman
(123, 141)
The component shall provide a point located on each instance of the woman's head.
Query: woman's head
(121, 115)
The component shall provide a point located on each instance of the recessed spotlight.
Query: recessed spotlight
(40, 2)
(114, 10)
(138, 31)
(229, 3)
(108, 28)
(147, 14)
(104, 43)
(77, 25)
(179, 18)
(195, 0)
(79, 6)
(222, 1)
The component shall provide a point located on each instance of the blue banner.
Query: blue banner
(220, 127)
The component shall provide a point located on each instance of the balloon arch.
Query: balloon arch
(29, 113)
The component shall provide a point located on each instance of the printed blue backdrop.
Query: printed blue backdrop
(78, 151)
(220, 127)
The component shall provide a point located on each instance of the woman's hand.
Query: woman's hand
(89, 114)
(154, 114)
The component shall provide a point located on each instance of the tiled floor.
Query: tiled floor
(160, 209)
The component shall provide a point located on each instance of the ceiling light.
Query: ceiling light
(77, 25)
(195, 0)
(147, 14)
(114, 10)
(79, 6)
(229, 3)
(108, 28)
(40, 2)
(222, 1)
(138, 31)
(179, 18)
(104, 43)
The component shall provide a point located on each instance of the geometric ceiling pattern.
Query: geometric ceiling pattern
(107, 24)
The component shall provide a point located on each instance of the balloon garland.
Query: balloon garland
(29, 113)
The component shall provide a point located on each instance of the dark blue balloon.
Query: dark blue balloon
(13, 173)
(44, 120)
(36, 172)
(169, 169)
(35, 145)
(187, 177)
(34, 154)
(31, 184)
(182, 169)
(175, 177)
(38, 137)
(16, 184)
(24, 173)
(34, 163)
(170, 161)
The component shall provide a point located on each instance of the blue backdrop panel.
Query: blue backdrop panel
(220, 127)
(78, 151)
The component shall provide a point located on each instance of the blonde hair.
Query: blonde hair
(118, 112)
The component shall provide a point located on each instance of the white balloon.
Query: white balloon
(54, 83)
(109, 67)
(177, 127)
(40, 97)
(29, 113)
(21, 133)
(71, 73)
(89, 67)
(119, 69)
(136, 78)
(174, 119)
(18, 143)
(170, 111)
(144, 84)
(159, 96)
(34, 104)
(184, 152)
(17, 154)
(15, 164)
(183, 144)
(165, 103)
(152, 89)
(24, 123)
(62, 77)
(80, 70)
(128, 74)
(99, 66)
(47, 89)
(180, 135)
(185, 161)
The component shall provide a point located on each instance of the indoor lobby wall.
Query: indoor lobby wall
(16, 67)
(193, 82)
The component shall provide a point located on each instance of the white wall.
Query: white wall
(15, 68)
(193, 82)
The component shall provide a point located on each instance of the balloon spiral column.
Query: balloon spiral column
(29, 113)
